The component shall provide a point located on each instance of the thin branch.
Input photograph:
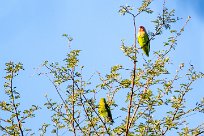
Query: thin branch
(66, 105)
(5, 130)
(88, 116)
(14, 105)
(73, 102)
(110, 88)
(160, 26)
(93, 108)
(97, 115)
(83, 104)
(133, 80)
(200, 133)
(134, 113)
(178, 34)
(148, 121)
(177, 109)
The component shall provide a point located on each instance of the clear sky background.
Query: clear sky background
(31, 32)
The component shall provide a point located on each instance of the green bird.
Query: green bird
(104, 110)
(143, 40)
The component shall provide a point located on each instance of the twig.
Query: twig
(178, 34)
(73, 101)
(66, 106)
(177, 109)
(135, 111)
(83, 105)
(133, 80)
(14, 105)
(104, 124)
(88, 116)
(5, 130)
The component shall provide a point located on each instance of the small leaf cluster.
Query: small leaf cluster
(13, 119)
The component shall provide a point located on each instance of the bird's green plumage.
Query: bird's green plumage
(143, 41)
(104, 110)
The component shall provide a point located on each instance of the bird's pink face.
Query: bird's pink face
(141, 28)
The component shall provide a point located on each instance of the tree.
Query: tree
(155, 101)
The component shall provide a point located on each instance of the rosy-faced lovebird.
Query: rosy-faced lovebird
(143, 40)
(104, 110)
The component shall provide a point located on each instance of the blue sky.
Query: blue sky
(30, 32)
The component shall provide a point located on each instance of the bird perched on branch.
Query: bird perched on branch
(143, 40)
(104, 110)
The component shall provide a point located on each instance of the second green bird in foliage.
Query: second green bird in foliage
(143, 40)
(104, 110)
